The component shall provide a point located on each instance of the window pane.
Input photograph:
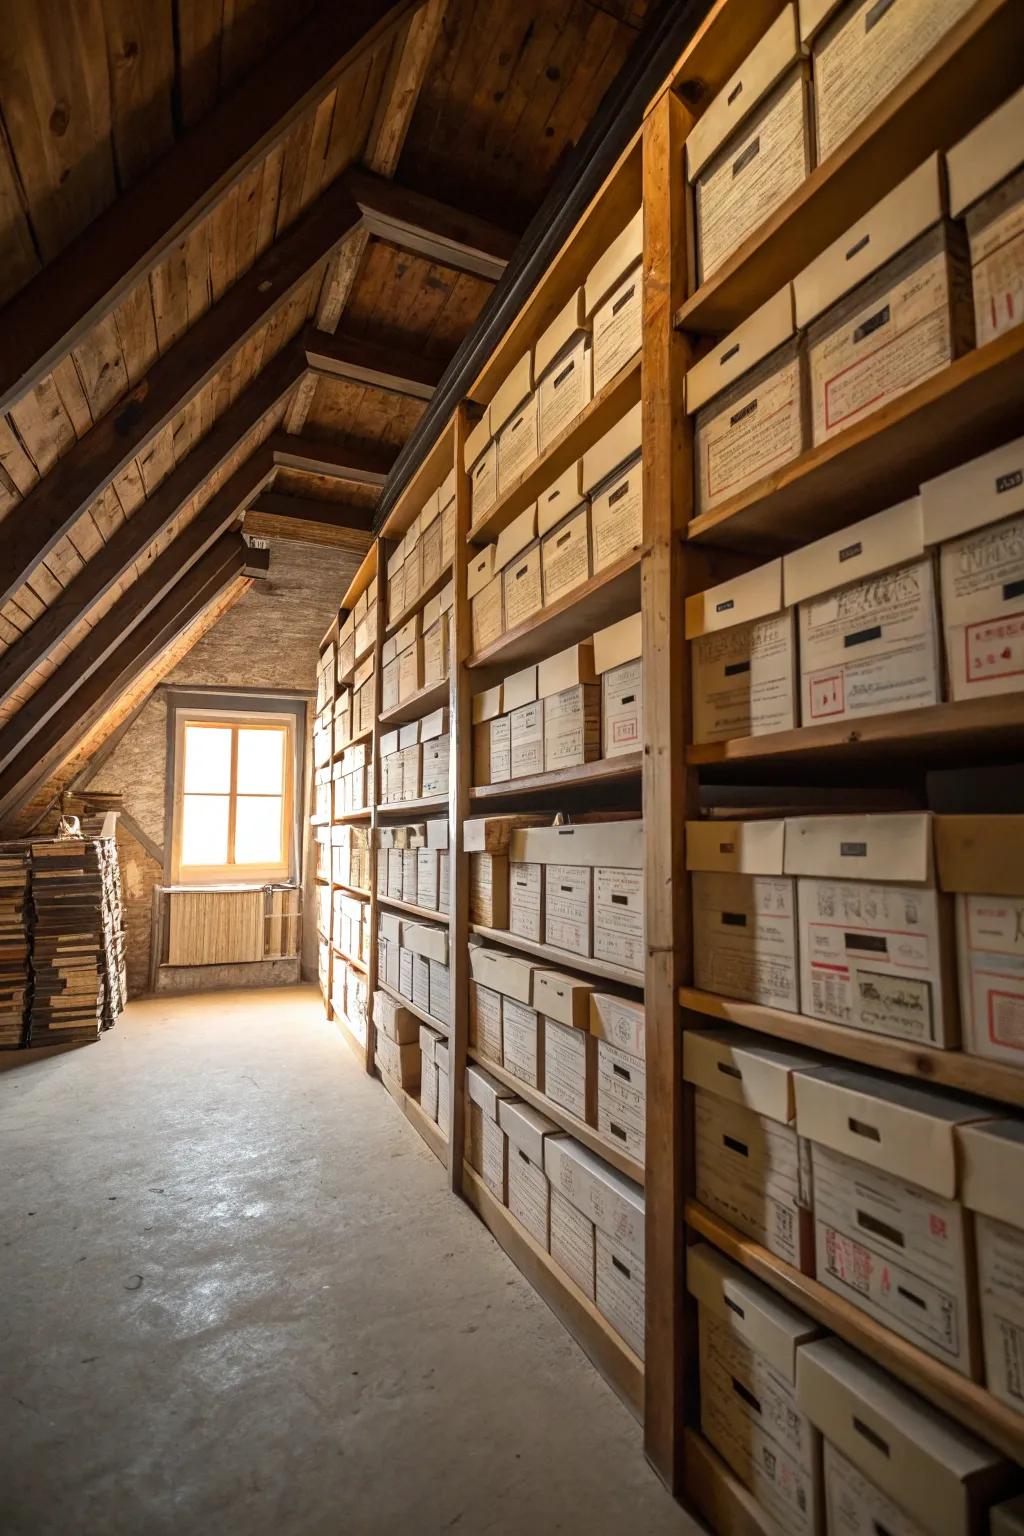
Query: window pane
(260, 762)
(258, 830)
(207, 759)
(204, 831)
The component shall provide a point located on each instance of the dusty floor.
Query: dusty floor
(235, 1298)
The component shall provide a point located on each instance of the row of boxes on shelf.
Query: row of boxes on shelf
(568, 710)
(850, 919)
(349, 994)
(824, 1439)
(325, 677)
(593, 336)
(323, 911)
(322, 794)
(588, 1217)
(882, 309)
(353, 779)
(587, 520)
(419, 654)
(354, 706)
(413, 1056)
(900, 1199)
(853, 624)
(426, 550)
(802, 90)
(323, 957)
(350, 856)
(323, 736)
(412, 959)
(358, 633)
(412, 863)
(578, 887)
(415, 759)
(350, 929)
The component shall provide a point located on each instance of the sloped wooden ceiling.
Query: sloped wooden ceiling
(192, 192)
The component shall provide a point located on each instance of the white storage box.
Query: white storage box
(743, 657)
(744, 912)
(618, 652)
(528, 1131)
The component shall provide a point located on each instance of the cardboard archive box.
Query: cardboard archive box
(482, 464)
(492, 738)
(752, 1169)
(885, 306)
(428, 1039)
(435, 743)
(751, 148)
(562, 364)
(743, 657)
(441, 1061)
(526, 900)
(483, 588)
(513, 420)
(565, 557)
(395, 1021)
(430, 542)
(981, 859)
(975, 513)
(993, 1176)
(487, 1144)
(986, 188)
(526, 740)
(571, 701)
(875, 934)
(399, 1062)
(868, 617)
(561, 498)
(618, 923)
(617, 1023)
(890, 1236)
(446, 504)
(570, 1050)
(412, 760)
(613, 303)
(744, 912)
(749, 1342)
(488, 889)
(892, 1461)
(568, 907)
(750, 404)
(517, 558)
(485, 1021)
(572, 1243)
(528, 1133)
(618, 661)
(436, 643)
(440, 991)
(612, 476)
(522, 1042)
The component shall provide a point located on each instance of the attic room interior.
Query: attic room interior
(511, 730)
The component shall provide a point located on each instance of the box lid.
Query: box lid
(611, 1201)
(562, 496)
(888, 1123)
(992, 1169)
(982, 855)
(765, 64)
(405, 636)
(520, 688)
(566, 999)
(492, 834)
(485, 1090)
(920, 1458)
(733, 356)
(888, 538)
(408, 735)
(754, 595)
(511, 392)
(610, 844)
(446, 491)
(435, 724)
(982, 491)
(389, 650)
(430, 511)
(814, 14)
(479, 570)
(914, 206)
(624, 252)
(893, 847)
(749, 1309)
(617, 445)
(363, 672)
(397, 560)
(520, 532)
(573, 665)
(619, 643)
(526, 1128)
(511, 975)
(478, 437)
(746, 1069)
(987, 155)
(431, 612)
(488, 704)
(736, 847)
(388, 743)
(620, 1021)
(567, 324)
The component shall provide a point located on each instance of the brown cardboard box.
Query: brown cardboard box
(511, 975)
(572, 1243)
(400, 1062)
(511, 393)
(572, 727)
(986, 187)
(393, 1020)
(564, 998)
(522, 588)
(565, 558)
(743, 657)
(519, 688)
(488, 889)
(485, 614)
(518, 443)
(564, 391)
(562, 496)
(528, 1132)
(493, 834)
(607, 842)
(617, 661)
(622, 1099)
(614, 303)
(744, 912)
(617, 516)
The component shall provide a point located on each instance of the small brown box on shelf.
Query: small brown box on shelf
(565, 557)
(526, 729)
(482, 467)
(518, 442)
(488, 889)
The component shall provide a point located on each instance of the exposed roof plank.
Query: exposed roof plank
(409, 60)
(361, 464)
(415, 222)
(368, 362)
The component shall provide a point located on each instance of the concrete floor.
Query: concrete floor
(236, 1298)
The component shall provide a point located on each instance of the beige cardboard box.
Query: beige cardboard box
(485, 614)
(526, 740)
(565, 558)
(485, 1095)
(619, 1290)
(477, 438)
(495, 1152)
(743, 657)
(421, 982)
(992, 1168)
(562, 334)
(430, 543)
(868, 614)
(440, 991)
(485, 1090)
(611, 1201)
(564, 391)
(875, 936)
(572, 1243)
(511, 975)
(613, 301)
(565, 669)
(619, 917)
(981, 859)
(474, 1135)
(863, 53)
(480, 569)
(511, 393)
(618, 1022)
(617, 516)
(528, 1132)
(400, 1062)
(619, 445)
(492, 751)
(923, 1464)
(563, 496)
(518, 443)
(410, 671)
(428, 1093)
(568, 907)
(570, 1069)
(520, 688)
(522, 1042)
(572, 727)
(488, 889)
(436, 652)
(974, 514)
(410, 874)
(878, 323)
(412, 771)
(986, 186)
(518, 559)
(436, 765)
(442, 882)
(426, 878)
(426, 939)
(483, 482)
(395, 867)
(393, 1020)
(485, 1021)
(526, 901)
(622, 1098)
(487, 706)
(389, 695)
(617, 661)
(752, 147)
(744, 912)
(607, 843)
(564, 998)
(493, 834)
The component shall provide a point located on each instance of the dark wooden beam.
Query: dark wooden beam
(56, 503)
(130, 542)
(362, 464)
(415, 222)
(332, 514)
(198, 588)
(54, 312)
(400, 371)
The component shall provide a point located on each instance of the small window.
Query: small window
(233, 798)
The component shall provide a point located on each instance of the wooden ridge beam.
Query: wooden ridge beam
(56, 503)
(304, 508)
(400, 371)
(81, 286)
(133, 537)
(361, 464)
(199, 587)
(415, 222)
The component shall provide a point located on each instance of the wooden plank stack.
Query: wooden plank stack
(14, 945)
(77, 940)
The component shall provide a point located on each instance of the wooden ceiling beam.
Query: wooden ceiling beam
(332, 514)
(414, 222)
(86, 282)
(399, 371)
(224, 563)
(366, 464)
(57, 502)
(407, 70)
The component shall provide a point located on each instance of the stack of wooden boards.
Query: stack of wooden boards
(78, 984)
(14, 944)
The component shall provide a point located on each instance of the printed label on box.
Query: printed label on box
(565, 1067)
(995, 229)
(568, 907)
(619, 917)
(622, 709)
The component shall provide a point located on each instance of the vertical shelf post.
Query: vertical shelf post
(371, 863)
(461, 759)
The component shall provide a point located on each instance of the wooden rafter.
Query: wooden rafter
(368, 362)
(414, 222)
(332, 514)
(361, 465)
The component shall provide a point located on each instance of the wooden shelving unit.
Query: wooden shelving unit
(429, 591)
(563, 959)
(410, 909)
(420, 1013)
(606, 770)
(400, 808)
(600, 601)
(417, 704)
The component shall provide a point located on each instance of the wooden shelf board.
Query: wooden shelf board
(972, 405)
(419, 703)
(965, 728)
(357, 965)
(361, 580)
(612, 594)
(429, 591)
(587, 1134)
(562, 957)
(412, 910)
(417, 1117)
(606, 770)
(950, 1069)
(404, 807)
(420, 1013)
(612, 1356)
(943, 1387)
(353, 890)
(598, 417)
(343, 820)
(717, 1494)
(958, 83)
